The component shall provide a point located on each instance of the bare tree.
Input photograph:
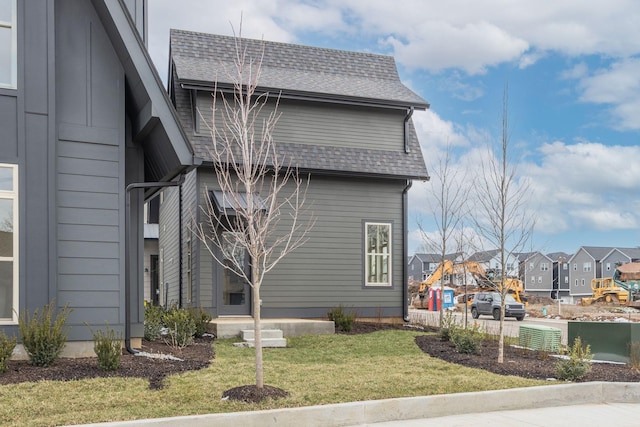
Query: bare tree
(449, 194)
(263, 196)
(501, 217)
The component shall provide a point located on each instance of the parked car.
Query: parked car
(489, 303)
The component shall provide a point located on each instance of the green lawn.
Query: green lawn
(314, 369)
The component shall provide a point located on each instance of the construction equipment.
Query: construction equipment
(605, 289)
(622, 288)
(483, 280)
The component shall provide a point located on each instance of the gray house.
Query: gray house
(616, 257)
(422, 265)
(560, 274)
(83, 117)
(346, 121)
(490, 261)
(585, 265)
(536, 273)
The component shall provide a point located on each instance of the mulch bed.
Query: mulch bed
(194, 357)
(519, 362)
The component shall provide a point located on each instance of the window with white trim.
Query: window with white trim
(8, 44)
(539, 279)
(566, 279)
(544, 266)
(586, 266)
(582, 282)
(8, 243)
(377, 270)
(608, 266)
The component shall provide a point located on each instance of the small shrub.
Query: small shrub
(6, 350)
(449, 327)
(153, 321)
(468, 341)
(107, 345)
(343, 320)
(43, 336)
(201, 319)
(578, 365)
(180, 327)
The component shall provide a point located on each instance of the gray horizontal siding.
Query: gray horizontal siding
(168, 242)
(328, 269)
(324, 125)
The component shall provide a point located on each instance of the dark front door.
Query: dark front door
(234, 293)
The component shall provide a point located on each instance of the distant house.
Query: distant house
(346, 121)
(616, 257)
(585, 265)
(490, 261)
(84, 116)
(560, 274)
(422, 265)
(536, 273)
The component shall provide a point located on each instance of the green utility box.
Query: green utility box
(609, 341)
(538, 337)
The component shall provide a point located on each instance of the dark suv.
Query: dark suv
(489, 303)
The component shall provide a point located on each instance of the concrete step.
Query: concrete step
(249, 334)
(228, 327)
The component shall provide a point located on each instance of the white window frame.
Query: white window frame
(13, 84)
(608, 266)
(586, 266)
(544, 266)
(566, 279)
(13, 196)
(389, 255)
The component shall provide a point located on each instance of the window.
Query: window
(8, 44)
(531, 266)
(586, 266)
(564, 266)
(576, 282)
(608, 266)
(378, 254)
(539, 279)
(544, 266)
(566, 279)
(533, 279)
(8, 243)
(575, 266)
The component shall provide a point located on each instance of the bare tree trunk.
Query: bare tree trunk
(257, 326)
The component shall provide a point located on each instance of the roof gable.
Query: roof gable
(293, 70)
(154, 123)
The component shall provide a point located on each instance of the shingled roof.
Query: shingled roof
(316, 72)
(202, 59)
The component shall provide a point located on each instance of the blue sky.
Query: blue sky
(573, 72)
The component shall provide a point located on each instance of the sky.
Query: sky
(570, 69)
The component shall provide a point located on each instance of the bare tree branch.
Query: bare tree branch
(500, 215)
(263, 196)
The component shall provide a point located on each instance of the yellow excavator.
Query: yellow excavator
(483, 280)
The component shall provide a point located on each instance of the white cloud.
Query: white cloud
(619, 87)
(472, 47)
(585, 185)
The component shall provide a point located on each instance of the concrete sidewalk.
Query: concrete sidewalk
(584, 404)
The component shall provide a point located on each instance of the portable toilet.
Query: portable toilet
(435, 299)
(448, 298)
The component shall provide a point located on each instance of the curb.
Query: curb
(408, 408)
